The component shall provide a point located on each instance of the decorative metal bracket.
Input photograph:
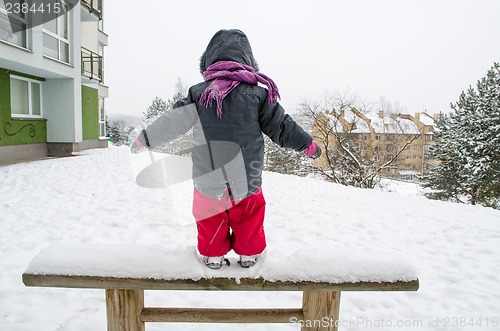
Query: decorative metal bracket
(30, 126)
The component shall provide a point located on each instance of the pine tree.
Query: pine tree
(158, 107)
(117, 132)
(468, 146)
(182, 145)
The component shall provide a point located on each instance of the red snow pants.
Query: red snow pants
(216, 218)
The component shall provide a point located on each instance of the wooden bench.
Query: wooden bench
(126, 311)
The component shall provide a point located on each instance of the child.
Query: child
(228, 146)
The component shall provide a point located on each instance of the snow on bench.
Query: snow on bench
(125, 271)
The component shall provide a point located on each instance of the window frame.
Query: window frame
(30, 98)
(21, 20)
(60, 39)
(102, 117)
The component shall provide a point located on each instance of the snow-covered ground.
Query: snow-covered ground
(93, 199)
(401, 187)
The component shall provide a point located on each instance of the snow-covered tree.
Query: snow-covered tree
(468, 146)
(283, 160)
(118, 132)
(159, 106)
(182, 145)
(347, 160)
(113, 131)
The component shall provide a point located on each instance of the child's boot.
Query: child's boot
(247, 261)
(215, 262)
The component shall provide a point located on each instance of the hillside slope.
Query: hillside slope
(93, 198)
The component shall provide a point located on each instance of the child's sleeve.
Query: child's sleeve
(171, 124)
(281, 128)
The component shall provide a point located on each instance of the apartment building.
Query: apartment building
(52, 91)
(379, 137)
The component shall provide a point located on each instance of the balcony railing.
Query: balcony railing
(92, 65)
(94, 6)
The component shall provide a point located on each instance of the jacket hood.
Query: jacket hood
(228, 45)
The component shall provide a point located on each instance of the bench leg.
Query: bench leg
(321, 310)
(124, 308)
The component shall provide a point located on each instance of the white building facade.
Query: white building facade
(52, 91)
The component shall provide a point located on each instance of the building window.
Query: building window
(101, 62)
(428, 157)
(365, 137)
(408, 147)
(18, 20)
(365, 148)
(407, 157)
(411, 177)
(102, 119)
(25, 97)
(377, 137)
(56, 37)
(414, 157)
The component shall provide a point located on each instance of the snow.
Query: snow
(407, 126)
(92, 200)
(427, 119)
(401, 187)
(182, 262)
(387, 125)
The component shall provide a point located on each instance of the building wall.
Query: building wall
(414, 158)
(33, 61)
(89, 36)
(70, 111)
(17, 131)
(90, 113)
(61, 89)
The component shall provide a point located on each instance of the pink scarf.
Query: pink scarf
(229, 74)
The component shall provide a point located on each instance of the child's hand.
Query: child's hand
(137, 147)
(317, 153)
(313, 151)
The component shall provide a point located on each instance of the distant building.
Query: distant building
(52, 88)
(379, 137)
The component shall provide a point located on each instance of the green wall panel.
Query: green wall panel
(90, 113)
(17, 131)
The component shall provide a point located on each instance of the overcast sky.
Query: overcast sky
(418, 53)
